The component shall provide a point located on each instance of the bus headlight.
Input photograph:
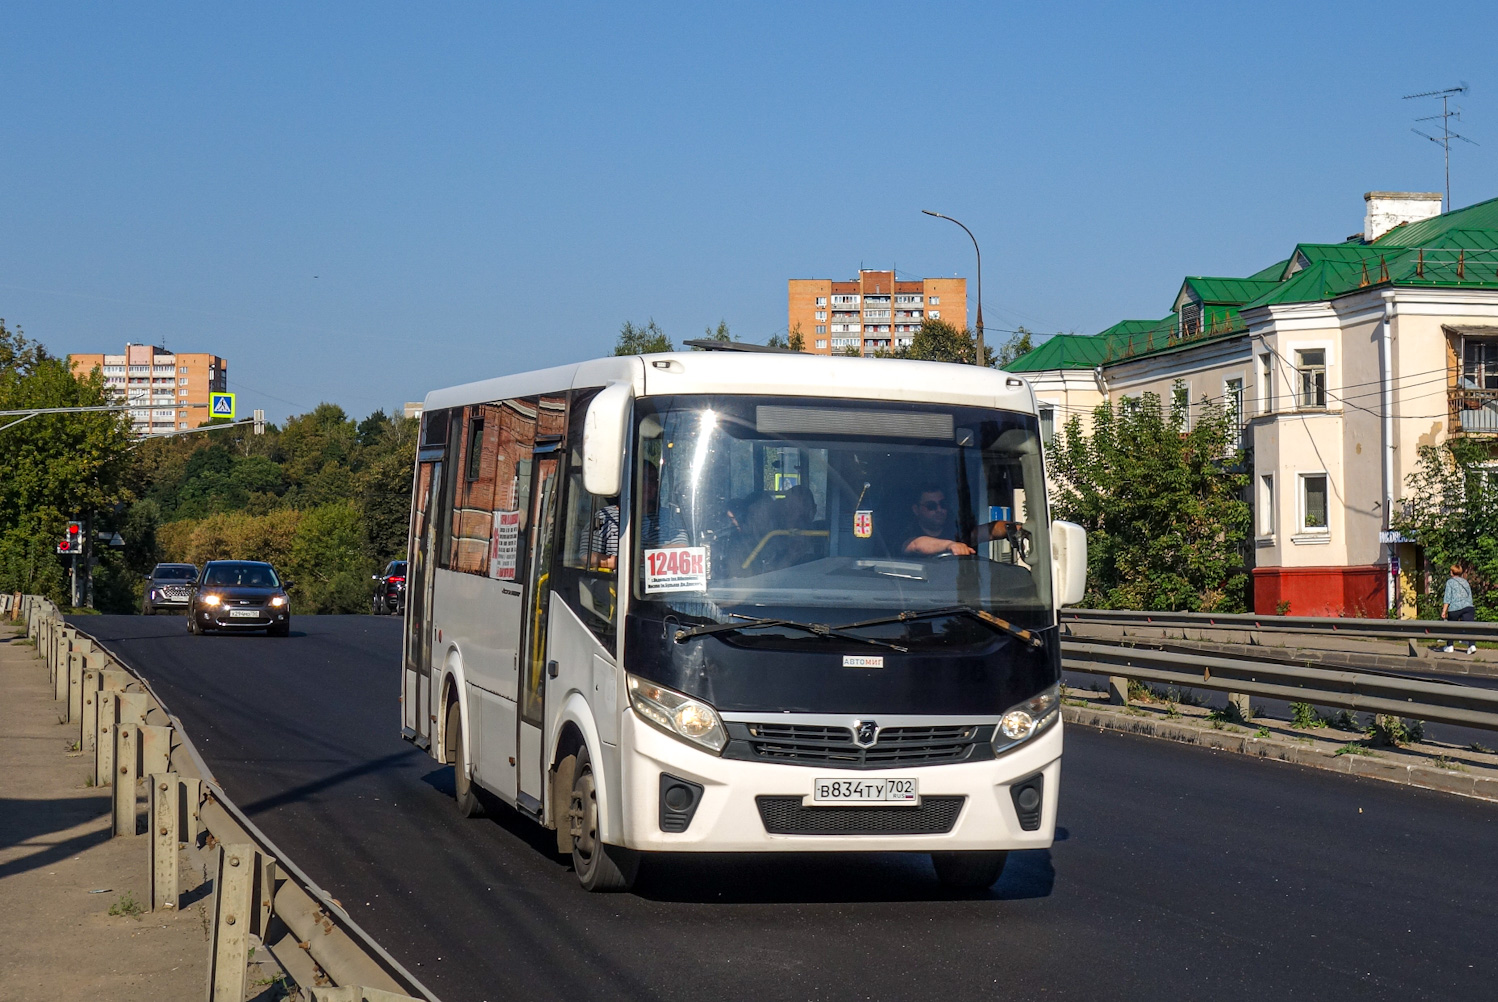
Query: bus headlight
(1023, 722)
(680, 716)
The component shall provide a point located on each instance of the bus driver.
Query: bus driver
(935, 532)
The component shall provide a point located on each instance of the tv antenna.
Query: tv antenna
(1446, 136)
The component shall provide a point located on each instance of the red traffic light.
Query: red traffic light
(65, 546)
(75, 528)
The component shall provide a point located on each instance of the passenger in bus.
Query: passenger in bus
(934, 529)
(659, 526)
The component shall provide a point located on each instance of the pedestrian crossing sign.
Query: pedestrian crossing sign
(221, 405)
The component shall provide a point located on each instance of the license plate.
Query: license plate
(244, 613)
(870, 790)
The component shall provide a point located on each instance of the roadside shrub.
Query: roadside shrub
(1391, 731)
(1304, 715)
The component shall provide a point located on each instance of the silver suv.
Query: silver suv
(168, 588)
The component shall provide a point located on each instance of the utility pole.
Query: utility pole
(978, 357)
(1446, 136)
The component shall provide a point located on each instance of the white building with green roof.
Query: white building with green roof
(1339, 362)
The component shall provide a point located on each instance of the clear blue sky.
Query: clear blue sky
(362, 202)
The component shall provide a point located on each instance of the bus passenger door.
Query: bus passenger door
(545, 473)
(416, 688)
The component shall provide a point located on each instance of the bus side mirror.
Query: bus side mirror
(1068, 562)
(603, 439)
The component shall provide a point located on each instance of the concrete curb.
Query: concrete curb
(1482, 785)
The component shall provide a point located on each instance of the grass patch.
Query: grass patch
(1478, 746)
(1443, 762)
(126, 905)
(1305, 717)
(1346, 720)
(1262, 732)
(1352, 748)
(1394, 732)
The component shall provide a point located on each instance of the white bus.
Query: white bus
(743, 601)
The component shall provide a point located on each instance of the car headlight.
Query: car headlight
(210, 599)
(278, 600)
(680, 716)
(1023, 722)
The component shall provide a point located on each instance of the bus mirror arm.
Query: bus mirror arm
(603, 439)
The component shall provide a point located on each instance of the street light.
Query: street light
(978, 357)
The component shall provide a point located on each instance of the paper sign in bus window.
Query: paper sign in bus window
(863, 523)
(504, 544)
(676, 568)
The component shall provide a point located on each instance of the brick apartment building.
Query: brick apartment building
(873, 312)
(167, 391)
(1336, 363)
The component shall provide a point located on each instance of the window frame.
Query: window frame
(1311, 392)
(1266, 382)
(1264, 515)
(1302, 529)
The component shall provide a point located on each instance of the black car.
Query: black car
(169, 587)
(240, 595)
(390, 592)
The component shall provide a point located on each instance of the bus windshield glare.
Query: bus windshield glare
(772, 506)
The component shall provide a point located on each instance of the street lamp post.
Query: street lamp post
(978, 356)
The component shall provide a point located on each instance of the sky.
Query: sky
(359, 203)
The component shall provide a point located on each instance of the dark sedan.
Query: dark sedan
(168, 588)
(240, 595)
(390, 590)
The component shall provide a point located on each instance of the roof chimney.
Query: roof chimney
(1388, 209)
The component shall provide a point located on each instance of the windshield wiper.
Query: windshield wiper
(1028, 636)
(750, 623)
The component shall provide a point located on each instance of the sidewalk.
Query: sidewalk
(61, 872)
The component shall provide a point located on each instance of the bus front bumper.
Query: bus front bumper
(730, 817)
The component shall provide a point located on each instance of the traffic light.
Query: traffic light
(73, 541)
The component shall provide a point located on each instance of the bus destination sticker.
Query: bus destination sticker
(676, 568)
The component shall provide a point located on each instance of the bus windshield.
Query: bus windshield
(825, 510)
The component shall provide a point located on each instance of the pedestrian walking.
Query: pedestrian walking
(1457, 605)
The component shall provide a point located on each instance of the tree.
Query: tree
(1018, 344)
(720, 334)
(797, 340)
(642, 340)
(939, 341)
(52, 467)
(1162, 505)
(1451, 511)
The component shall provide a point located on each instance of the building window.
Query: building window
(1312, 368)
(821, 342)
(1313, 507)
(475, 447)
(1128, 406)
(182, 369)
(934, 300)
(1233, 404)
(1180, 403)
(1191, 319)
(1266, 505)
(821, 314)
(934, 314)
(1047, 424)
(821, 328)
(1266, 383)
(821, 300)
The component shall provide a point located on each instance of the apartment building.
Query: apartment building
(875, 312)
(167, 391)
(1336, 364)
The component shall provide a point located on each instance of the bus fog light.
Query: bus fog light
(678, 715)
(1023, 722)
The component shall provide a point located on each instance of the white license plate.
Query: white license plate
(866, 790)
(244, 613)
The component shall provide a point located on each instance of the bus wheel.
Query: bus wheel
(969, 871)
(457, 754)
(599, 867)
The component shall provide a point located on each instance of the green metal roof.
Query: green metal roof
(1458, 249)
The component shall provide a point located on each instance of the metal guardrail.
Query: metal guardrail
(1399, 629)
(1419, 698)
(110, 703)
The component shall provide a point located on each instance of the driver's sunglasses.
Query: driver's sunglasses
(933, 506)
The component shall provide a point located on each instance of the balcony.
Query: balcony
(876, 314)
(1473, 411)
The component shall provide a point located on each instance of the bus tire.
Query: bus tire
(599, 867)
(969, 871)
(457, 753)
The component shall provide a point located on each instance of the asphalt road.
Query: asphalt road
(1178, 873)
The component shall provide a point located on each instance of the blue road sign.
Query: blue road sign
(221, 405)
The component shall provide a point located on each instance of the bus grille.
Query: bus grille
(814, 744)
(787, 816)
